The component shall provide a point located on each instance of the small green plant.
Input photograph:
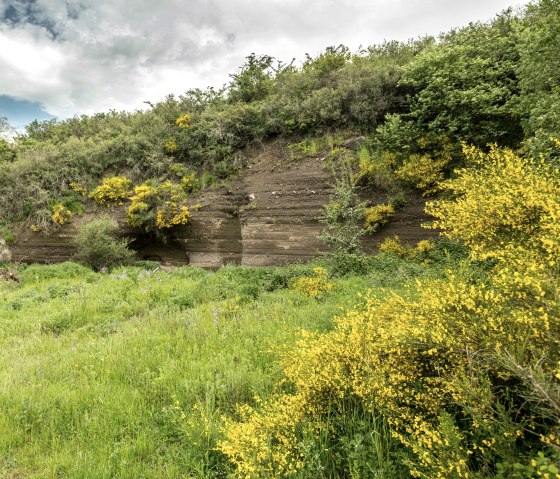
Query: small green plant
(190, 182)
(7, 234)
(398, 200)
(305, 148)
(97, 244)
(207, 179)
(342, 217)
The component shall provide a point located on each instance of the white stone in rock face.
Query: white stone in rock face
(5, 253)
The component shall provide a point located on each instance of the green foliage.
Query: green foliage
(463, 86)
(254, 81)
(7, 234)
(335, 89)
(343, 216)
(97, 245)
(207, 179)
(539, 466)
(539, 73)
(129, 374)
(488, 82)
(71, 200)
(7, 151)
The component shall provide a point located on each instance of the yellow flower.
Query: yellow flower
(112, 191)
(60, 215)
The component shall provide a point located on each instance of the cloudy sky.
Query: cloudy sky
(66, 57)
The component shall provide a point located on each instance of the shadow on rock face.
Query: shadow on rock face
(152, 249)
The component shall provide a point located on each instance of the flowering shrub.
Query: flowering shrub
(184, 121)
(112, 191)
(158, 208)
(171, 146)
(61, 215)
(376, 171)
(190, 182)
(172, 215)
(316, 286)
(376, 216)
(506, 207)
(464, 372)
(426, 171)
(78, 188)
(395, 246)
(424, 247)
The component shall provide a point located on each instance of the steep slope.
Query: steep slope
(268, 216)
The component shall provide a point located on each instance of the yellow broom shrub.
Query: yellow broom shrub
(315, 286)
(445, 364)
(112, 191)
(378, 215)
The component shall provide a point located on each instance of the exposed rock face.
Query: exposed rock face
(267, 217)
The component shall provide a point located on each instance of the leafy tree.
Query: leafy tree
(7, 152)
(463, 86)
(254, 80)
(539, 71)
(343, 216)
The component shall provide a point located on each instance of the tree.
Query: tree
(463, 86)
(254, 80)
(539, 72)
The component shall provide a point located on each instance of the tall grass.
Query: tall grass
(128, 374)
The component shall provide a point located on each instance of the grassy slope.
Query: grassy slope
(128, 374)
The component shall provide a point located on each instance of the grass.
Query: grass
(129, 374)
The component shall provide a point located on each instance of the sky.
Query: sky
(60, 58)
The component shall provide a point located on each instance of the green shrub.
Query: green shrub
(97, 245)
(7, 234)
(347, 264)
(343, 216)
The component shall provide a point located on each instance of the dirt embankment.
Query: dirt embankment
(266, 217)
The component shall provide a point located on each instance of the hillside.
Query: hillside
(402, 351)
(266, 216)
(415, 103)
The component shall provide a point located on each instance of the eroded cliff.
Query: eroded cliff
(267, 216)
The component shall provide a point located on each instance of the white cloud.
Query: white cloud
(85, 56)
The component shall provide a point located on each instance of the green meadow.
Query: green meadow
(131, 373)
